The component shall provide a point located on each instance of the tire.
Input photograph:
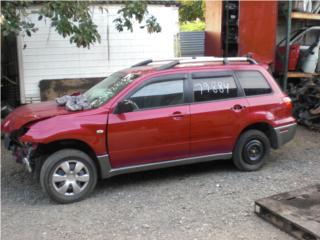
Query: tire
(251, 150)
(68, 176)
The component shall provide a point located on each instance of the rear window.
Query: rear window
(215, 88)
(253, 83)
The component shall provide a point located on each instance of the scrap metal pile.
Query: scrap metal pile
(306, 102)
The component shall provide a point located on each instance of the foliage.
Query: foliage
(136, 10)
(193, 26)
(10, 18)
(191, 10)
(71, 19)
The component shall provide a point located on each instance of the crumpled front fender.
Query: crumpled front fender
(88, 128)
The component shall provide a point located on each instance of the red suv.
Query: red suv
(153, 115)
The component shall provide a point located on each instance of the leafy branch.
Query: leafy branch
(136, 10)
(72, 19)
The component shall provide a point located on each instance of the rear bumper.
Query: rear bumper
(285, 133)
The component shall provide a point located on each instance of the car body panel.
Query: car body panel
(215, 126)
(87, 126)
(30, 113)
(149, 135)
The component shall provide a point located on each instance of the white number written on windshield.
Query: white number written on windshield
(214, 87)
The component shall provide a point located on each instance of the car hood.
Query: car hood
(30, 113)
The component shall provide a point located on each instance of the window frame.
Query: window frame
(257, 95)
(213, 74)
(165, 78)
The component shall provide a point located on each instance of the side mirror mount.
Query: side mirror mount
(125, 106)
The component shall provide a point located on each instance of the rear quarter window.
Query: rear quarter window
(253, 83)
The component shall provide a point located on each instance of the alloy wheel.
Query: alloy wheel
(70, 177)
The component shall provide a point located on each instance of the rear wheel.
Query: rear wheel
(68, 176)
(251, 151)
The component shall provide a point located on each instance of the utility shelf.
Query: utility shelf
(305, 16)
(302, 75)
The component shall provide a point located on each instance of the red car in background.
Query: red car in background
(155, 114)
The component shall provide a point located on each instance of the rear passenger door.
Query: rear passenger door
(217, 112)
(258, 92)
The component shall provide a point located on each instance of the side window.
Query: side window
(253, 83)
(159, 94)
(214, 88)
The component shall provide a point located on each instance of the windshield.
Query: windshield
(108, 88)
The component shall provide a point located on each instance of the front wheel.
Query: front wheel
(251, 150)
(68, 176)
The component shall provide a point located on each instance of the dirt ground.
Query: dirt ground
(204, 201)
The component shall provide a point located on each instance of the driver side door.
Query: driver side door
(158, 130)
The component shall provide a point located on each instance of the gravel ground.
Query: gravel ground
(204, 201)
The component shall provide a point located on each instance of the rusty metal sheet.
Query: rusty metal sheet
(296, 212)
(258, 29)
(52, 88)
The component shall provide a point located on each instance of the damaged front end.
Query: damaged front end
(23, 153)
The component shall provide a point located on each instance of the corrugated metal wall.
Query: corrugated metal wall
(191, 43)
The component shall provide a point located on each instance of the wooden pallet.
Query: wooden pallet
(296, 212)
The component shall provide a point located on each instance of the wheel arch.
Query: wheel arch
(266, 128)
(44, 150)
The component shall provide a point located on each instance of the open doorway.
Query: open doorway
(10, 91)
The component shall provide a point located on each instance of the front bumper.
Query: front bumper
(22, 153)
(285, 133)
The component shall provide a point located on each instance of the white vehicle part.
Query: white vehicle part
(311, 61)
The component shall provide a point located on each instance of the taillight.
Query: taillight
(287, 102)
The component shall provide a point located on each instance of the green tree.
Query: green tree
(191, 10)
(136, 10)
(72, 19)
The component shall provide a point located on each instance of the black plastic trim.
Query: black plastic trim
(168, 65)
(143, 63)
(170, 163)
(104, 165)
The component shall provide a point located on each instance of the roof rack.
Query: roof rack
(148, 61)
(143, 63)
(175, 61)
(168, 65)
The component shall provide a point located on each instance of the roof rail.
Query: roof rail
(143, 63)
(168, 65)
(148, 61)
(225, 60)
(184, 60)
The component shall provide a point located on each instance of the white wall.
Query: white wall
(48, 55)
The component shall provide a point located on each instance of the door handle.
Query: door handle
(177, 115)
(238, 107)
